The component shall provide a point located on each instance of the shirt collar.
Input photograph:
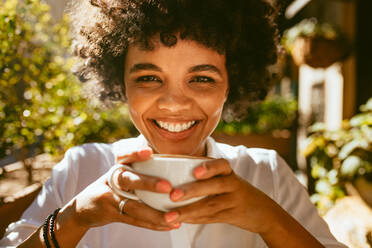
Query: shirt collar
(212, 149)
(140, 142)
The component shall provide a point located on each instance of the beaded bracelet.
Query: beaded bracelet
(51, 228)
(45, 231)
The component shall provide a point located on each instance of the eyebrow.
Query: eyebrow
(144, 66)
(197, 68)
(206, 67)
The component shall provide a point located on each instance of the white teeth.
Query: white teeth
(178, 128)
(175, 127)
(171, 128)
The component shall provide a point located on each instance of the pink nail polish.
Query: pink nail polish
(163, 186)
(200, 171)
(176, 194)
(171, 216)
(177, 225)
(145, 153)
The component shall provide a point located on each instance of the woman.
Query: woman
(176, 64)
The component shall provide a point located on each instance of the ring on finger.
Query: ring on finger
(122, 204)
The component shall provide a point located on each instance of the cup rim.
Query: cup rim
(157, 155)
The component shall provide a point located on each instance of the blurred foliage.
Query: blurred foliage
(41, 102)
(308, 28)
(339, 157)
(275, 113)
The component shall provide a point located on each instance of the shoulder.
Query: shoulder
(240, 155)
(87, 154)
(92, 153)
(98, 156)
(80, 166)
(83, 165)
(89, 150)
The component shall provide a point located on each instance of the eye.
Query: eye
(148, 79)
(202, 79)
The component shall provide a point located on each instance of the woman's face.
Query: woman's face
(176, 94)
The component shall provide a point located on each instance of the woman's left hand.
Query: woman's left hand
(230, 199)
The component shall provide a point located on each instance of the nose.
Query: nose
(174, 100)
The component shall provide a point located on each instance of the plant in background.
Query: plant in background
(340, 157)
(308, 28)
(316, 44)
(275, 113)
(41, 102)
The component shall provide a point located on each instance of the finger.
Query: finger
(139, 214)
(140, 223)
(144, 213)
(129, 180)
(201, 211)
(137, 156)
(222, 216)
(212, 186)
(212, 168)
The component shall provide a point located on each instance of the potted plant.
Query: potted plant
(342, 159)
(318, 45)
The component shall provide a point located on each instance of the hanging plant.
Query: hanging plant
(318, 45)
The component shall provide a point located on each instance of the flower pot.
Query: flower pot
(318, 52)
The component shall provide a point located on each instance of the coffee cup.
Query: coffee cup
(177, 169)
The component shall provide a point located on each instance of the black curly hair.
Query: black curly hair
(243, 30)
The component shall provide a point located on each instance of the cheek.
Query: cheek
(137, 105)
(133, 114)
(212, 106)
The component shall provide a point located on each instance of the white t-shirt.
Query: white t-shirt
(82, 165)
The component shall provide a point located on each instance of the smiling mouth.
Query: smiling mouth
(175, 127)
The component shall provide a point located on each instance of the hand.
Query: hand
(230, 199)
(97, 205)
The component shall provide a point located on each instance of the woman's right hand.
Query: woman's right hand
(98, 205)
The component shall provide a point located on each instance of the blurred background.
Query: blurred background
(317, 115)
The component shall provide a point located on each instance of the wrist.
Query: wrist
(274, 220)
(284, 229)
(68, 217)
(68, 230)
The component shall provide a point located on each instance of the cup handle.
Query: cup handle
(114, 187)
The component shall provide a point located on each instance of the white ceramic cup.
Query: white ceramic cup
(177, 169)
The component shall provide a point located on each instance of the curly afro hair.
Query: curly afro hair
(243, 30)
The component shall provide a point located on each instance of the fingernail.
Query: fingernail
(171, 216)
(176, 225)
(200, 171)
(163, 186)
(145, 153)
(176, 194)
